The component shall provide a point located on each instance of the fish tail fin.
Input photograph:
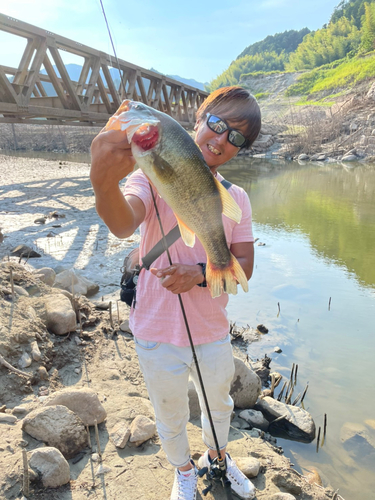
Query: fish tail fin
(225, 280)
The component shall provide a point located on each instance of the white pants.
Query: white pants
(166, 369)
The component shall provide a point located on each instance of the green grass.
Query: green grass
(261, 95)
(340, 74)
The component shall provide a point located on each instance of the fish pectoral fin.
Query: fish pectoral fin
(230, 207)
(163, 169)
(187, 235)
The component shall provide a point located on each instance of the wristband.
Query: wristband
(204, 282)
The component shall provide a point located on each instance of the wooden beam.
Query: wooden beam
(83, 76)
(76, 103)
(56, 82)
(115, 95)
(104, 95)
(95, 68)
(21, 73)
(7, 88)
(33, 75)
(142, 89)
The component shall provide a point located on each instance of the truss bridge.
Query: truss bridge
(41, 91)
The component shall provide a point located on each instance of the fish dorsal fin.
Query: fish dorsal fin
(230, 207)
(187, 235)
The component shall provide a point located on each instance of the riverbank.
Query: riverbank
(72, 235)
(331, 128)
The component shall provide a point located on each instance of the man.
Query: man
(228, 120)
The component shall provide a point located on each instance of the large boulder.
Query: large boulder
(297, 423)
(246, 385)
(61, 318)
(74, 283)
(52, 467)
(58, 427)
(84, 402)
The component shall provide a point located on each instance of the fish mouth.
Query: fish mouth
(146, 136)
(142, 128)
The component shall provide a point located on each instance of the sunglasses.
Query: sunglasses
(219, 126)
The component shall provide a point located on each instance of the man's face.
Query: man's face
(215, 147)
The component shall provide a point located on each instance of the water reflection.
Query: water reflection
(332, 205)
(318, 223)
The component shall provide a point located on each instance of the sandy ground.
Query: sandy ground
(31, 188)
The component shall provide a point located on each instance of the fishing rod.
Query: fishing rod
(218, 468)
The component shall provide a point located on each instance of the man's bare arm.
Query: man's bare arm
(112, 160)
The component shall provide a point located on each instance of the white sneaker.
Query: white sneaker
(185, 484)
(240, 484)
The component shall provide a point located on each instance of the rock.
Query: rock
(318, 157)
(298, 423)
(124, 327)
(249, 466)
(303, 156)
(24, 251)
(101, 305)
(83, 402)
(262, 370)
(102, 469)
(42, 373)
(282, 496)
(371, 93)
(246, 385)
(21, 291)
(19, 410)
(35, 352)
(61, 318)
(286, 480)
(262, 329)
(46, 274)
(358, 443)
(8, 419)
(25, 360)
(74, 283)
(313, 477)
(353, 126)
(57, 426)
(51, 465)
(120, 435)
(255, 419)
(349, 158)
(277, 349)
(141, 429)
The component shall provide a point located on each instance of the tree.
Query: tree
(368, 28)
(325, 45)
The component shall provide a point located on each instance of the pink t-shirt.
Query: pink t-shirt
(157, 315)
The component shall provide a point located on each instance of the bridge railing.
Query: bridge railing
(25, 91)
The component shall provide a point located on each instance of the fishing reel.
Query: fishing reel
(216, 474)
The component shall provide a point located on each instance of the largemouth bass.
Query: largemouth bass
(174, 164)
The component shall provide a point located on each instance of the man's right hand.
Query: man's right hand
(111, 159)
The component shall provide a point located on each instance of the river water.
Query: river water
(318, 265)
(314, 288)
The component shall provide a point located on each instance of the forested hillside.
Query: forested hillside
(333, 50)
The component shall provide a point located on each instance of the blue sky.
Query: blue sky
(192, 39)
